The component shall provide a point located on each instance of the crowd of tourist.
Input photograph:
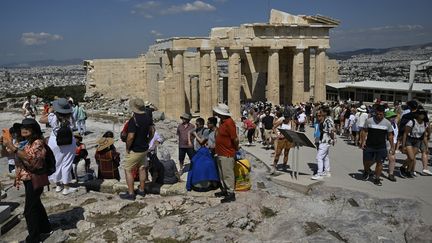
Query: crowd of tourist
(212, 145)
(380, 130)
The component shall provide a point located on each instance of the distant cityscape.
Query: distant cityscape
(393, 65)
(378, 64)
(22, 80)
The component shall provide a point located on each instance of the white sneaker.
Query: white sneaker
(69, 190)
(59, 188)
(427, 172)
(327, 174)
(317, 177)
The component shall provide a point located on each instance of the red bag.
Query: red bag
(124, 132)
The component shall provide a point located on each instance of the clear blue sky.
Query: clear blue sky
(63, 29)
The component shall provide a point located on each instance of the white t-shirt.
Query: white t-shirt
(53, 121)
(301, 118)
(418, 130)
(353, 122)
(362, 117)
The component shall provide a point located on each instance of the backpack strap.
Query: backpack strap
(241, 163)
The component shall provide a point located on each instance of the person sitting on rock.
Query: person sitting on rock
(81, 154)
(164, 171)
(107, 158)
(152, 154)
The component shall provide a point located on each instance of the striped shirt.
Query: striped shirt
(377, 132)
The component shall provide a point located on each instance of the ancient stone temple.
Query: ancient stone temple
(283, 61)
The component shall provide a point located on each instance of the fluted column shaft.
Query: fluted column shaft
(205, 84)
(272, 92)
(179, 99)
(298, 76)
(320, 75)
(234, 84)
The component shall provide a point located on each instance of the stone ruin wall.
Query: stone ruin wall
(117, 78)
(143, 76)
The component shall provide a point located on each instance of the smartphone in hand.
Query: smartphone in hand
(6, 134)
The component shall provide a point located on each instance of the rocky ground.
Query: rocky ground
(267, 213)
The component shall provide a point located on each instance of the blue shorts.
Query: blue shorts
(374, 155)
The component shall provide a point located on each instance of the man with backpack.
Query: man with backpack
(139, 133)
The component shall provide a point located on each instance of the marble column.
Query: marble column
(214, 78)
(194, 94)
(234, 84)
(205, 84)
(320, 75)
(272, 91)
(306, 88)
(178, 101)
(298, 76)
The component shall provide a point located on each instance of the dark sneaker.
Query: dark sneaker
(402, 172)
(392, 178)
(220, 194)
(127, 196)
(139, 192)
(377, 182)
(409, 175)
(230, 197)
(366, 175)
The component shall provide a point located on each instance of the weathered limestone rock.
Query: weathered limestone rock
(418, 234)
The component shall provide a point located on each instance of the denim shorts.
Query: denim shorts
(375, 155)
(413, 142)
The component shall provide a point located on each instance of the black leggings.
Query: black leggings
(250, 134)
(35, 214)
(182, 154)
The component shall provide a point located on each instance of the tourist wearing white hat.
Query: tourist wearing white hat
(227, 143)
(362, 116)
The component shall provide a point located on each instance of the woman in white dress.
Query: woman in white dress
(61, 114)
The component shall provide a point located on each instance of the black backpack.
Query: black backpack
(402, 123)
(49, 166)
(64, 134)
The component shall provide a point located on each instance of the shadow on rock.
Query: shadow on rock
(68, 219)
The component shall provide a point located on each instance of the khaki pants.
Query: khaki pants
(226, 172)
(285, 145)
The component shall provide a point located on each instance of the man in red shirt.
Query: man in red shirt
(227, 143)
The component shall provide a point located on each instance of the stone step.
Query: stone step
(9, 224)
(5, 212)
